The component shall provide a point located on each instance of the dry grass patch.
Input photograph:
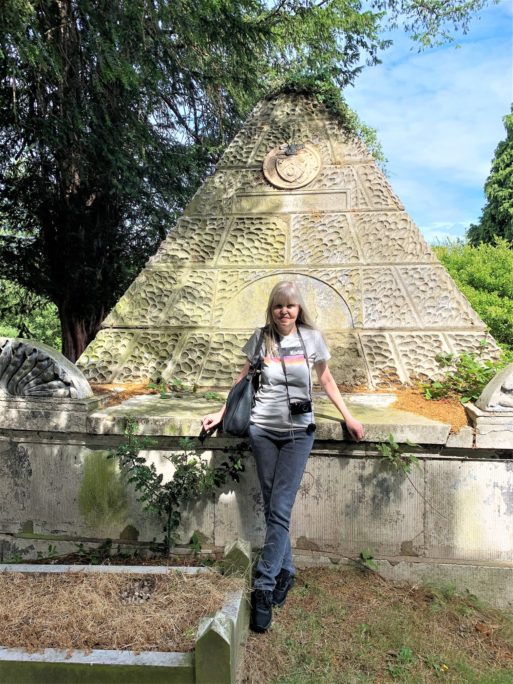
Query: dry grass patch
(345, 626)
(88, 611)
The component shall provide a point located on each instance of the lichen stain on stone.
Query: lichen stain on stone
(102, 498)
(129, 533)
(306, 544)
(27, 527)
(15, 462)
(407, 549)
(507, 496)
(385, 490)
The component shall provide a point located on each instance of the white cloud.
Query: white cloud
(438, 115)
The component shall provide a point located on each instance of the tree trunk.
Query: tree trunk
(77, 331)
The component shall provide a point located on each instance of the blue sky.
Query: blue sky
(438, 115)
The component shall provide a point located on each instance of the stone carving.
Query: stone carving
(474, 343)
(296, 135)
(35, 370)
(229, 283)
(390, 236)
(149, 356)
(325, 216)
(348, 283)
(334, 242)
(292, 166)
(240, 151)
(418, 351)
(287, 108)
(193, 240)
(498, 393)
(102, 358)
(192, 301)
(255, 239)
(224, 359)
(376, 187)
(189, 359)
(436, 299)
(345, 146)
(332, 177)
(384, 301)
(381, 360)
(145, 300)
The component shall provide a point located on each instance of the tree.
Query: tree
(24, 314)
(485, 276)
(497, 217)
(112, 111)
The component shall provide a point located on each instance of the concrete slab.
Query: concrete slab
(469, 510)
(158, 416)
(47, 414)
(97, 667)
(492, 584)
(494, 428)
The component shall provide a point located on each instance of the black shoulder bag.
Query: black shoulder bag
(241, 398)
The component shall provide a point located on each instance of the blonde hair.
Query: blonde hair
(287, 291)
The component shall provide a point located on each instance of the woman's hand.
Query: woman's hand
(356, 429)
(212, 420)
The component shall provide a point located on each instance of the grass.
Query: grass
(348, 626)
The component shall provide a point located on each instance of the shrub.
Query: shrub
(485, 276)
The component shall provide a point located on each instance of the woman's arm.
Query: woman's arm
(213, 419)
(330, 387)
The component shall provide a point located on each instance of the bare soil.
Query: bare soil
(447, 410)
(88, 611)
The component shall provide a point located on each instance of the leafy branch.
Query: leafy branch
(465, 376)
(192, 476)
(393, 454)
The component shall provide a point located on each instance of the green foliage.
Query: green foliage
(327, 93)
(94, 556)
(497, 217)
(112, 112)
(51, 552)
(27, 315)
(192, 477)
(466, 375)
(367, 560)
(485, 276)
(400, 662)
(393, 454)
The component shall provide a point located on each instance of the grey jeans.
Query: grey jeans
(280, 461)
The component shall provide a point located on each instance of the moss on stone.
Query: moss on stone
(103, 498)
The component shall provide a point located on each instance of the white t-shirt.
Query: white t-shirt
(271, 410)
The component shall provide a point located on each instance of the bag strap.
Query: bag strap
(256, 360)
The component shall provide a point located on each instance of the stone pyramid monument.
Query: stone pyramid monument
(295, 196)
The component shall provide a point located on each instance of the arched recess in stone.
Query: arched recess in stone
(35, 370)
(327, 307)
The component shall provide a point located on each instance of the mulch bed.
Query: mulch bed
(75, 610)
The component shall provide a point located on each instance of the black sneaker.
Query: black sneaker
(261, 610)
(284, 582)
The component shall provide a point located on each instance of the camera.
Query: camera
(299, 407)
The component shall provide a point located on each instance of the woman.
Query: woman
(282, 432)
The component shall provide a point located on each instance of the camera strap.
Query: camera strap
(280, 350)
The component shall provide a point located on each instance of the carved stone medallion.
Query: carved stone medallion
(289, 166)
